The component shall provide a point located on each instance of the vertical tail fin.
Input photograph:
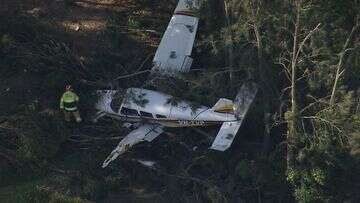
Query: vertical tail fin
(224, 106)
(244, 99)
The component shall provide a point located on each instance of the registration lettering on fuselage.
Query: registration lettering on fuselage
(190, 123)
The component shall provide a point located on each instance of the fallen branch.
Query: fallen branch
(85, 139)
(131, 75)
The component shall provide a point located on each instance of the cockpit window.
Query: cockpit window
(160, 116)
(129, 112)
(146, 114)
(116, 101)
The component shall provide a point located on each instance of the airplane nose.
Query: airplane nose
(104, 99)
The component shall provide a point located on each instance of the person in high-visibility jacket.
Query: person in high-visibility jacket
(68, 103)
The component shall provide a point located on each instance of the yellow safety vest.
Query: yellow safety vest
(69, 101)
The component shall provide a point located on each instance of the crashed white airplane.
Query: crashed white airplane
(151, 111)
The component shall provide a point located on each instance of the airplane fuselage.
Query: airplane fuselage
(148, 106)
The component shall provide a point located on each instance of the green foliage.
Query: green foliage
(43, 194)
(326, 159)
(354, 141)
(243, 169)
(215, 196)
(17, 190)
(307, 184)
(307, 194)
(5, 40)
(133, 22)
(112, 29)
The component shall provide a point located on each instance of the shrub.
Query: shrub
(44, 194)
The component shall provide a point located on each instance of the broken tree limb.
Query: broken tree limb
(229, 42)
(339, 72)
(131, 75)
(85, 138)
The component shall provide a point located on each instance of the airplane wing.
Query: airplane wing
(146, 132)
(174, 51)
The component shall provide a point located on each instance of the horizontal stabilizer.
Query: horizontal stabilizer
(146, 132)
(226, 135)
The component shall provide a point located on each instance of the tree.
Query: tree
(299, 38)
(339, 70)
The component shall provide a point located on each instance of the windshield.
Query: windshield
(116, 101)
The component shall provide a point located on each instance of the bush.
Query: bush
(44, 194)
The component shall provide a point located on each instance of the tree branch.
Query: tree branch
(339, 65)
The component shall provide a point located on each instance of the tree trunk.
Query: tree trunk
(229, 43)
(261, 69)
(294, 117)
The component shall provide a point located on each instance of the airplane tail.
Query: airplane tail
(241, 105)
(244, 99)
(224, 106)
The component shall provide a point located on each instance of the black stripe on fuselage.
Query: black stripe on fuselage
(186, 13)
(164, 121)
